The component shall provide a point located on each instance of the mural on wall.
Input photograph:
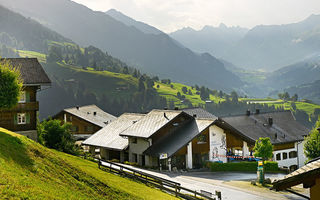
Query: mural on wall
(218, 146)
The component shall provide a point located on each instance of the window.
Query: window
(278, 156)
(292, 154)
(284, 155)
(22, 98)
(134, 140)
(89, 129)
(74, 129)
(202, 139)
(22, 119)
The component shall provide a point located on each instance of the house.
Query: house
(23, 117)
(185, 139)
(85, 120)
(111, 144)
(308, 175)
(285, 133)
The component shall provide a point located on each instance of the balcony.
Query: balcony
(30, 106)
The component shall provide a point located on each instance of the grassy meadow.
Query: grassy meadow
(30, 171)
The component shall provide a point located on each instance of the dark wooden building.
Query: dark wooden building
(23, 117)
(85, 120)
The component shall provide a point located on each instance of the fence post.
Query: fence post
(218, 194)
(99, 163)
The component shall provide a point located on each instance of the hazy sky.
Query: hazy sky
(170, 15)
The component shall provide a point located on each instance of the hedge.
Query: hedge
(242, 166)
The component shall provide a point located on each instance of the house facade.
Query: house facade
(23, 117)
(85, 120)
(285, 133)
(186, 139)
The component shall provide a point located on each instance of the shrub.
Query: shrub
(242, 166)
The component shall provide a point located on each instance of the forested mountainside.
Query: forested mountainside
(307, 91)
(19, 32)
(155, 54)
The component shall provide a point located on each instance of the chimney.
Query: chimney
(77, 107)
(165, 108)
(275, 135)
(176, 108)
(270, 121)
(257, 111)
(248, 113)
(165, 116)
(94, 113)
(194, 115)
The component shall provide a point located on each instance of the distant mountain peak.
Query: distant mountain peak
(119, 16)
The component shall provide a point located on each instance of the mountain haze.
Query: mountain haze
(151, 53)
(214, 40)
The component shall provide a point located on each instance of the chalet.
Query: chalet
(85, 120)
(23, 117)
(187, 138)
(285, 132)
(308, 175)
(111, 144)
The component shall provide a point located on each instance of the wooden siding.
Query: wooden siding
(233, 141)
(198, 147)
(79, 122)
(277, 147)
(30, 107)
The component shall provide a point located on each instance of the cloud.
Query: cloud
(170, 15)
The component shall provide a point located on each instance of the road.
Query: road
(212, 181)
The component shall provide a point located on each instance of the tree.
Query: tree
(141, 85)
(263, 149)
(10, 85)
(234, 97)
(312, 142)
(184, 90)
(54, 134)
(294, 97)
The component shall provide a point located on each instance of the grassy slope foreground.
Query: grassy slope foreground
(31, 171)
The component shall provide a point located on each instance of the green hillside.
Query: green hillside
(31, 171)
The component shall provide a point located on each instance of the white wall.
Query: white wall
(299, 160)
(218, 144)
(138, 148)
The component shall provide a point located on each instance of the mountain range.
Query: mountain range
(155, 54)
(267, 47)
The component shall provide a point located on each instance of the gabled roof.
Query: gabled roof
(284, 127)
(92, 114)
(200, 113)
(108, 137)
(31, 71)
(174, 141)
(151, 123)
(305, 174)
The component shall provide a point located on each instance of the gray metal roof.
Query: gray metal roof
(151, 123)
(31, 71)
(108, 137)
(301, 175)
(255, 126)
(200, 113)
(174, 141)
(87, 113)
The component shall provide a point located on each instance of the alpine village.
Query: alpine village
(98, 105)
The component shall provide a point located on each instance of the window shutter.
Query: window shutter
(28, 118)
(27, 96)
(15, 118)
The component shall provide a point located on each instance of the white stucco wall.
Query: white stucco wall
(299, 160)
(138, 148)
(218, 144)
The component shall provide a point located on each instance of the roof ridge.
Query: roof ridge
(261, 113)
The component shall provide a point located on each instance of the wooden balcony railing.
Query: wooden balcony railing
(30, 106)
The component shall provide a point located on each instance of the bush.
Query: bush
(242, 166)
(55, 135)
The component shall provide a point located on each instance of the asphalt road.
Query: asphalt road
(213, 181)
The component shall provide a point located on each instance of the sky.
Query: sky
(171, 15)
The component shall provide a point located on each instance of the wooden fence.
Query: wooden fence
(158, 182)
